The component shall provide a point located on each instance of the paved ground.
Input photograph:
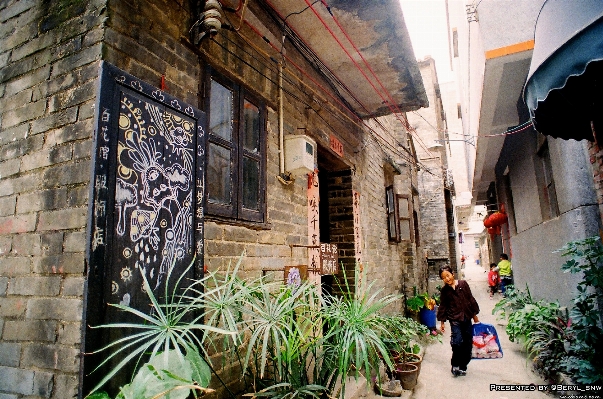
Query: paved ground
(436, 381)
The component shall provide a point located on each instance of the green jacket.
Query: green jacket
(504, 268)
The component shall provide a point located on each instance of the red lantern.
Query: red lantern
(488, 222)
(498, 218)
(494, 231)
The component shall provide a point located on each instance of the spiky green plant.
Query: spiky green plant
(171, 329)
(357, 326)
(294, 342)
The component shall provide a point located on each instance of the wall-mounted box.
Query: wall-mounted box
(300, 154)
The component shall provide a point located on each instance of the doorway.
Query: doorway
(336, 219)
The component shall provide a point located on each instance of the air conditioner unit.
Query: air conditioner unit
(300, 154)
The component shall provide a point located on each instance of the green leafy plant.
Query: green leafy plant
(540, 327)
(558, 340)
(289, 341)
(168, 336)
(416, 302)
(515, 300)
(584, 362)
(403, 331)
(278, 328)
(546, 344)
(530, 318)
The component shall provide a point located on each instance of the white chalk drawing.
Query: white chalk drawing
(153, 195)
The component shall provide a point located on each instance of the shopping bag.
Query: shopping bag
(485, 342)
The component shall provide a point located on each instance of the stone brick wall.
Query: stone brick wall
(434, 228)
(50, 54)
(49, 59)
(436, 218)
(391, 267)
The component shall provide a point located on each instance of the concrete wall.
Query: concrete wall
(532, 247)
(535, 263)
(596, 160)
(514, 25)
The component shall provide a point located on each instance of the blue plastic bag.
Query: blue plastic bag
(486, 344)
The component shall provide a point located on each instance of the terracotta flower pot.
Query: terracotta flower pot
(413, 358)
(407, 374)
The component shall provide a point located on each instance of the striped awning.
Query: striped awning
(563, 88)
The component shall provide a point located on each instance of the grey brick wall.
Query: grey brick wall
(49, 53)
(391, 267)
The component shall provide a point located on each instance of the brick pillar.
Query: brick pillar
(341, 222)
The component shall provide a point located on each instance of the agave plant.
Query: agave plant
(357, 327)
(168, 336)
(292, 342)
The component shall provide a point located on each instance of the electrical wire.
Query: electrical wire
(392, 105)
(515, 129)
(304, 49)
(371, 130)
(311, 56)
(333, 81)
(357, 119)
(293, 95)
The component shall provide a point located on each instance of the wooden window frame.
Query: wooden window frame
(549, 182)
(400, 218)
(548, 196)
(395, 236)
(235, 210)
(391, 211)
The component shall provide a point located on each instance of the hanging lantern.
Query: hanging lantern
(498, 218)
(487, 222)
(494, 231)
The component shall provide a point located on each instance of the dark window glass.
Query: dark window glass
(221, 111)
(251, 183)
(415, 218)
(236, 151)
(219, 174)
(251, 129)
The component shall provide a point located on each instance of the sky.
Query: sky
(426, 23)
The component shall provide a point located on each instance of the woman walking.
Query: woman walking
(458, 306)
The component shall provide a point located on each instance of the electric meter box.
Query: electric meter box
(300, 154)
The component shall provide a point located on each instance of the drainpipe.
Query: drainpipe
(283, 177)
(281, 136)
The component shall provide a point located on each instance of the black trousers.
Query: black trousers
(461, 340)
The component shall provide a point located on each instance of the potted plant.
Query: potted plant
(425, 306)
(288, 340)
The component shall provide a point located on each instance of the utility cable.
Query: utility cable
(390, 103)
(371, 130)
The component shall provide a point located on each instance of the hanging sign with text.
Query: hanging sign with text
(329, 259)
(336, 145)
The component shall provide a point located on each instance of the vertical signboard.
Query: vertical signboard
(313, 223)
(357, 233)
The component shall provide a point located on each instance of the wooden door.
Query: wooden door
(146, 204)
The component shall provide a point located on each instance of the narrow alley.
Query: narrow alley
(436, 381)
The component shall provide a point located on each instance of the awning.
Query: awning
(564, 87)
